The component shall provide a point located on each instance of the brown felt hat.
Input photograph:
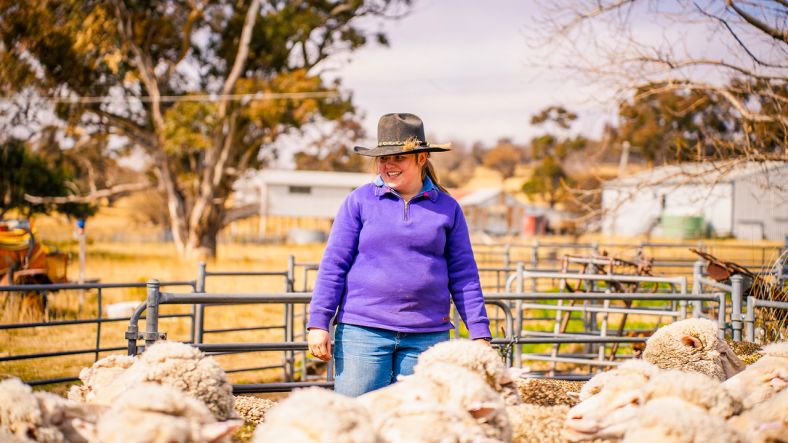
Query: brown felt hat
(400, 133)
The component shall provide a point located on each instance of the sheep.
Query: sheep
(315, 415)
(168, 363)
(765, 422)
(632, 373)
(431, 422)
(153, 413)
(102, 373)
(548, 392)
(609, 413)
(672, 420)
(778, 349)
(253, 409)
(41, 416)
(448, 384)
(480, 359)
(759, 381)
(692, 345)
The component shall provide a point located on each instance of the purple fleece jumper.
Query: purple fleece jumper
(396, 265)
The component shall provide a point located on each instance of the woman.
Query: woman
(398, 253)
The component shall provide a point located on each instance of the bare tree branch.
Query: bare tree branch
(766, 29)
(90, 198)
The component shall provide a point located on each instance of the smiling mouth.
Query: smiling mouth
(393, 174)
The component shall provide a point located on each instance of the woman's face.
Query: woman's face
(402, 171)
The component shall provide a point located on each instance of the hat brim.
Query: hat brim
(396, 149)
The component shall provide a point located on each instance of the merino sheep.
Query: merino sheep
(548, 392)
(609, 413)
(153, 413)
(692, 345)
(41, 416)
(671, 420)
(476, 357)
(97, 377)
(167, 363)
(633, 373)
(778, 349)
(767, 422)
(315, 415)
(431, 422)
(253, 409)
(759, 381)
(447, 384)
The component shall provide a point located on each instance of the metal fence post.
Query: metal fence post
(749, 320)
(290, 320)
(152, 313)
(721, 315)
(518, 351)
(697, 287)
(737, 286)
(199, 321)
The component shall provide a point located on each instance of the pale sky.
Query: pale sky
(463, 67)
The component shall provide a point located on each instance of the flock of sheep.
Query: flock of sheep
(689, 387)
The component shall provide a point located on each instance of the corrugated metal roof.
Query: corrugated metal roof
(479, 196)
(697, 173)
(311, 178)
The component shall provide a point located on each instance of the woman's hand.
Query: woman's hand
(319, 341)
(483, 341)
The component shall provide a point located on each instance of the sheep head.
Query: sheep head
(605, 415)
(692, 345)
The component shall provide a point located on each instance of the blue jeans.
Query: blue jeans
(371, 358)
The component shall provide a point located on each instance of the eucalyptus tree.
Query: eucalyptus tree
(203, 88)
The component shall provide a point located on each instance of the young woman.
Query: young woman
(398, 254)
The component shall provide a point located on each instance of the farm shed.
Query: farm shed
(497, 212)
(295, 194)
(748, 201)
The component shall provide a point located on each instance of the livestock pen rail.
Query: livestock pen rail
(528, 325)
(508, 340)
(674, 258)
(45, 292)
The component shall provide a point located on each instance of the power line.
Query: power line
(244, 98)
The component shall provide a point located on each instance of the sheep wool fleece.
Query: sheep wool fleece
(396, 265)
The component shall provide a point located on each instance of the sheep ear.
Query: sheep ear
(692, 342)
(573, 395)
(778, 383)
(214, 432)
(481, 410)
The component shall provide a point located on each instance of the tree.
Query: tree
(548, 180)
(26, 172)
(743, 76)
(203, 88)
(503, 157)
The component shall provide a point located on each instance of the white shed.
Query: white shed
(297, 193)
(744, 200)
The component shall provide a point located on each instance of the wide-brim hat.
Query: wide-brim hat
(398, 134)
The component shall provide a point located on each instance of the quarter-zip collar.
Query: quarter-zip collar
(428, 189)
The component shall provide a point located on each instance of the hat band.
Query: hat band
(407, 145)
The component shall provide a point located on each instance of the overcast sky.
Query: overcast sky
(463, 67)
